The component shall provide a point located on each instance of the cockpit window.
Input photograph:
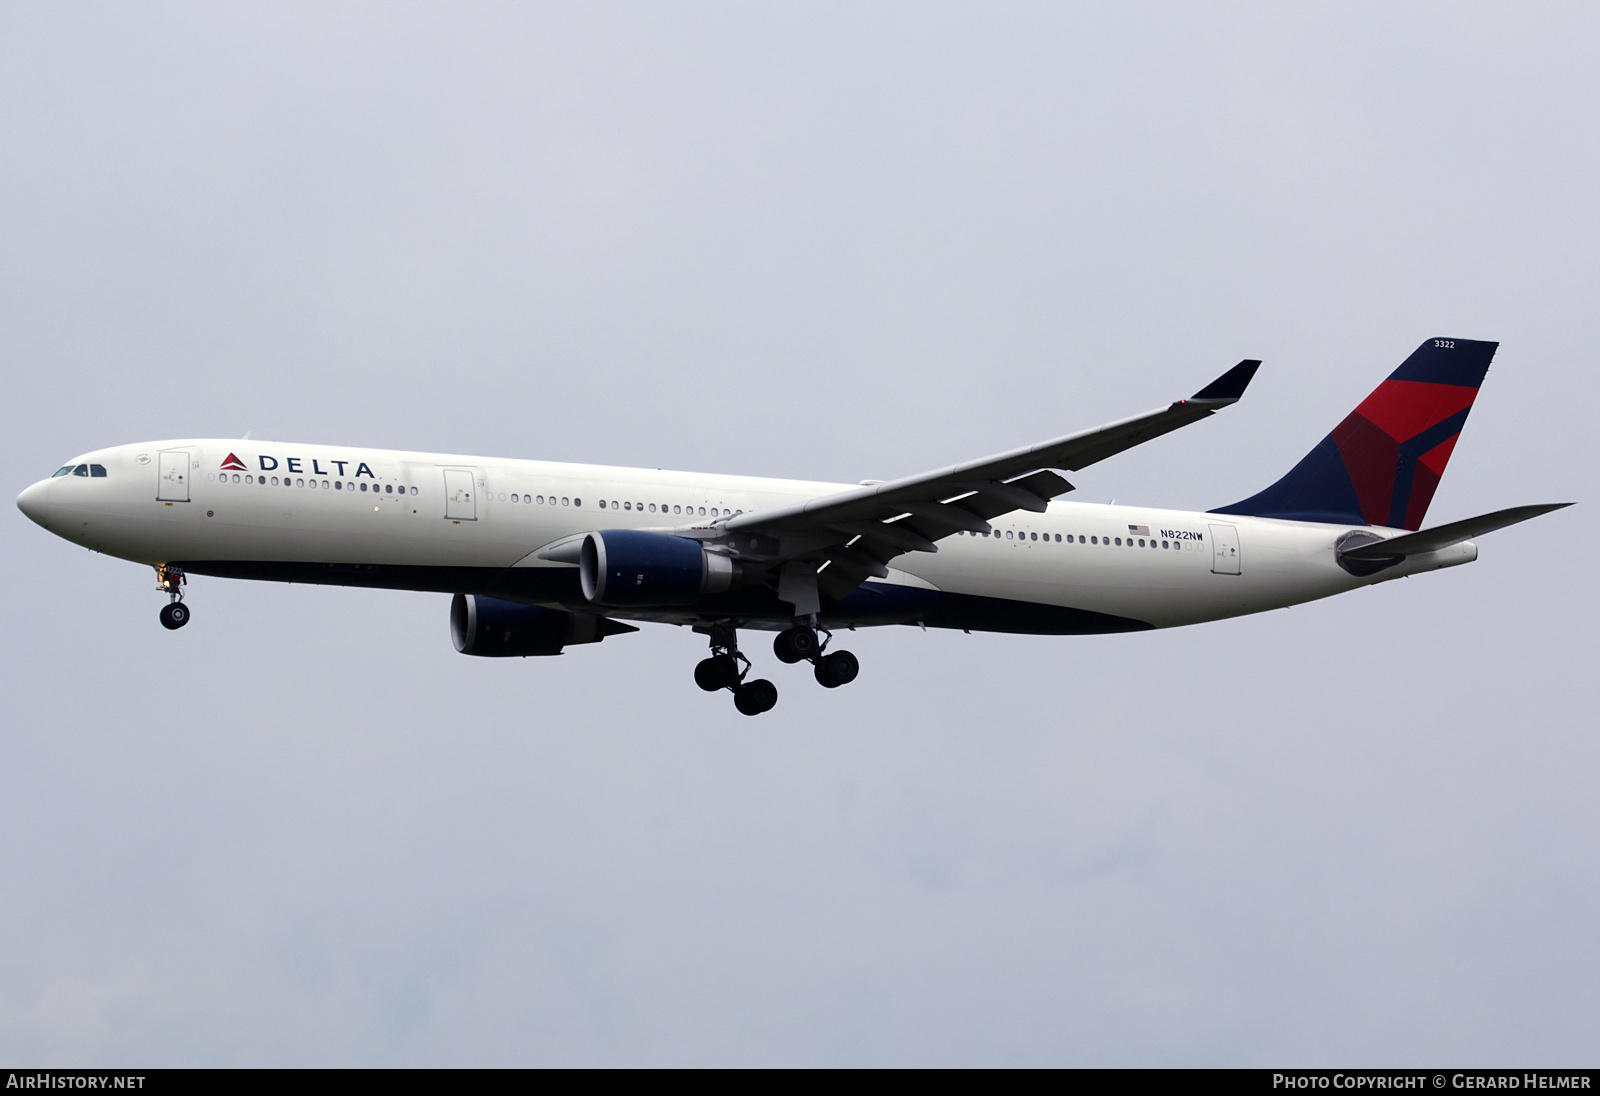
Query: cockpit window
(81, 470)
(64, 470)
(97, 470)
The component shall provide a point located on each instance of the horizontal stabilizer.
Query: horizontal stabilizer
(1443, 536)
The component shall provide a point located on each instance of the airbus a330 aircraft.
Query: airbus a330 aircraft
(541, 556)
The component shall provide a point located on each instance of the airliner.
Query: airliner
(540, 556)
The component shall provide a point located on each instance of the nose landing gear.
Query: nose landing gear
(727, 669)
(170, 581)
(801, 644)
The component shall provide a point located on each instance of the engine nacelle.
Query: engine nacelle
(493, 628)
(628, 567)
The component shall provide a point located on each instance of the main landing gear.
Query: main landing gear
(727, 669)
(170, 581)
(802, 644)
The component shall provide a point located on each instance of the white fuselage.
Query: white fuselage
(443, 518)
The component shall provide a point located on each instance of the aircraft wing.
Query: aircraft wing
(852, 534)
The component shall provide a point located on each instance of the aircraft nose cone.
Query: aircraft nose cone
(35, 502)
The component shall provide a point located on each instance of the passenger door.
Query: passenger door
(460, 495)
(173, 486)
(1225, 550)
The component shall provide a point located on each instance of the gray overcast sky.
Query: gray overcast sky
(830, 241)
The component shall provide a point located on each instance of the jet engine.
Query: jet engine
(630, 567)
(493, 628)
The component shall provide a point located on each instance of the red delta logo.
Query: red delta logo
(234, 464)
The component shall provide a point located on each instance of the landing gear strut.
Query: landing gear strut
(802, 644)
(727, 669)
(170, 581)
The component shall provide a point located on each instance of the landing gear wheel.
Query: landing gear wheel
(716, 672)
(174, 615)
(795, 644)
(755, 697)
(839, 668)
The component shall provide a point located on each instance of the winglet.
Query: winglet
(1230, 386)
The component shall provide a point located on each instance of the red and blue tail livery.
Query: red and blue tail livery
(1382, 464)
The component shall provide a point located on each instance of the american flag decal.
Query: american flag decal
(1139, 530)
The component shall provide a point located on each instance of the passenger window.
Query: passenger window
(652, 507)
(1094, 540)
(338, 485)
(388, 489)
(677, 509)
(97, 470)
(1141, 542)
(563, 502)
(363, 486)
(577, 502)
